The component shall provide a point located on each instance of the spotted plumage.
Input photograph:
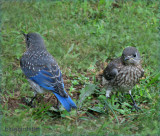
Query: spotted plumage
(42, 71)
(123, 73)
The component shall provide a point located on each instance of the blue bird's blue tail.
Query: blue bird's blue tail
(67, 102)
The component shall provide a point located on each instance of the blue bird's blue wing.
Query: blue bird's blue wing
(50, 80)
(54, 83)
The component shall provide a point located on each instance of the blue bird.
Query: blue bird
(42, 70)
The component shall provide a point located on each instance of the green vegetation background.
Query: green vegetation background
(82, 36)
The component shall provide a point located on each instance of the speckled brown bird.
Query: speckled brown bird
(123, 73)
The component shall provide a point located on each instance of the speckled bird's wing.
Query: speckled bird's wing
(111, 70)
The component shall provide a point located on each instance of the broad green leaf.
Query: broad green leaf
(85, 92)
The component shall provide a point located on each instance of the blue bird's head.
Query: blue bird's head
(34, 40)
(131, 56)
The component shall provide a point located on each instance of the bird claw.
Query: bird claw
(106, 109)
(28, 103)
(136, 107)
(31, 104)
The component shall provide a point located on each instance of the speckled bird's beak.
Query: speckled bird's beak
(127, 58)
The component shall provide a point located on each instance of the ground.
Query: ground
(83, 36)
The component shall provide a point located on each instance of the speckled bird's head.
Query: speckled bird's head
(131, 56)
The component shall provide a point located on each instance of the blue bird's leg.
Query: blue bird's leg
(58, 104)
(30, 103)
(134, 103)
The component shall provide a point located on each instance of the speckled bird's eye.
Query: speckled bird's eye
(134, 55)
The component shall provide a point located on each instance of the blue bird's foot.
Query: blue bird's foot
(29, 103)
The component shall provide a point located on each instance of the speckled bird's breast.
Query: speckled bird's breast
(127, 78)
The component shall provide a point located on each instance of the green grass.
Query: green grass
(81, 36)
